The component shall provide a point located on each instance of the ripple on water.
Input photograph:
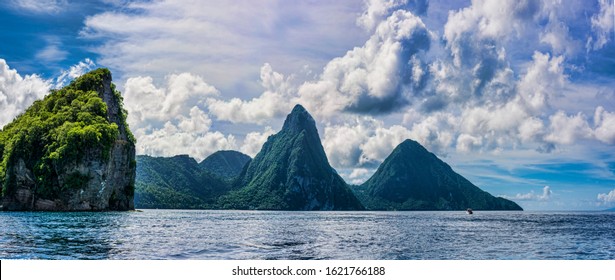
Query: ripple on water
(184, 234)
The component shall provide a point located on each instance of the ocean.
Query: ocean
(249, 235)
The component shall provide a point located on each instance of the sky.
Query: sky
(517, 96)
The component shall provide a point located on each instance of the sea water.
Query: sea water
(199, 234)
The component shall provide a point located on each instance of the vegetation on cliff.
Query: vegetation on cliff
(291, 172)
(412, 178)
(176, 183)
(67, 126)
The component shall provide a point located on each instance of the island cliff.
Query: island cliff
(71, 151)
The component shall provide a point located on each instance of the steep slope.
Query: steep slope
(71, 151)
(176, 183)
(412, 178)
(291, 172)
(225, 164)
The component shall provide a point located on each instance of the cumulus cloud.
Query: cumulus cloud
(605, 125)
(602, 24)
(544, 78)
(253, 142)
(371, 78)
(359, 175)
(170, 140)
(147, 102)
(545, 195)
(274, 102)
(172, 119)
(607, 198)
(566, 129)
(17, 93)
(377, 10)
(365, 142)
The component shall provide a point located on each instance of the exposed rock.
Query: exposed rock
(98, 179)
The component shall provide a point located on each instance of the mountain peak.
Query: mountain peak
(298, 120)
(410, 148)
(291, 172)
(412, 178)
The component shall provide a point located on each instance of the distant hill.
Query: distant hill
(225, 164)
(176, 183)
(291, 172)
(411, 178)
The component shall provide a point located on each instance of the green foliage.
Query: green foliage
(67, 125)
(411, 178)
(291, 172)
(176, 183)
(225, 164)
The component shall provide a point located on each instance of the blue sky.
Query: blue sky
(517, 96)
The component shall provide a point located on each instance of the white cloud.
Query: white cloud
(565, 129)
(17, 93)
(40, 6)
(254, 141)
(225, 43)
(274, 102)
(544, 78)
(370, 78)
(605, 125)
(172, 140)
(602, 24)
(375, 11)
(52, 52)
(607, 198)
(365, 142)
(172, 120)
(73, 72)
(145, 102)
(359, 175)
(545, 195)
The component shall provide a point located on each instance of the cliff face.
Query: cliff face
(70, 151)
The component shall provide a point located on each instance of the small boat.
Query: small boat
(469, 211)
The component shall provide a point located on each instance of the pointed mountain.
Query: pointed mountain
(412, 178)
(291, 172)
(225, 164)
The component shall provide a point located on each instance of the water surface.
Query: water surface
(196, 234)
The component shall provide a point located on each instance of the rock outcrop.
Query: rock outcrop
(70, 151)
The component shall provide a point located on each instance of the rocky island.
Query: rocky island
(71, 151)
